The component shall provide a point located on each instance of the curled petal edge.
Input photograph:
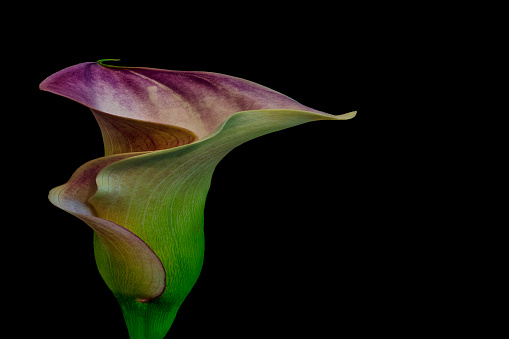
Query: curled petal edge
(138, 273)
(171, 185)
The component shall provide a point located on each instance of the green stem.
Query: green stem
(147, 320)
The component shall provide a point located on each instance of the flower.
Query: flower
(164, 132)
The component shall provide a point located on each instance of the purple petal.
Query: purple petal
(197, 101)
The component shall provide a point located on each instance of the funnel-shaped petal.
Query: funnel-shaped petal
(145, 200)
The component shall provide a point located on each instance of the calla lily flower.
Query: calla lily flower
(164, 132)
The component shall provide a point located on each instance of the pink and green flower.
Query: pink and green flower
(164, 132)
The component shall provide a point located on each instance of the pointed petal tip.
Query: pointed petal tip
(102, 62)
(42, 85)
(347, 116)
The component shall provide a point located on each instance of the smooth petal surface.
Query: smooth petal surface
(124, 135)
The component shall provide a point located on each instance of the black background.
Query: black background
(294, 237)
(337, 229)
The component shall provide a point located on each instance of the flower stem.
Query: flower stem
(147, 320)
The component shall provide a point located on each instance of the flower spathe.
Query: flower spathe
(164, 132)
